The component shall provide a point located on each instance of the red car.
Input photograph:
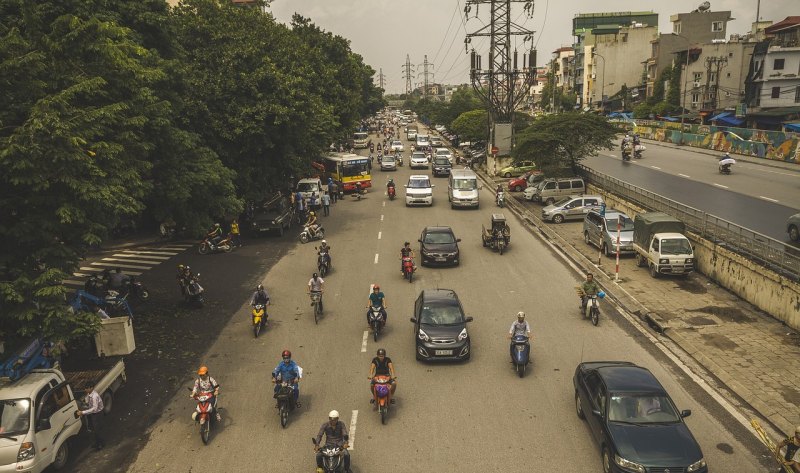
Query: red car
(518, 184)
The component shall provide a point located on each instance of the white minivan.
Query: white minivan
(462, 188)
(419, 190)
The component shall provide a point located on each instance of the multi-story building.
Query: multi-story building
(773, 85)
(540, 79)
(562, 67)
(583, 25)
(716, 78)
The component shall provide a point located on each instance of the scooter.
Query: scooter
(591, 309)
(408, 268)
(500, 199)
(358, 194)
(306, 236)
(637, 151)
(193, 293)
(382, 393)
(259, 314)
(724, 168)
(134, 287)
(391, 192)
(376, 321)
(286, 403)
(332, 458)
(204, 414)
(520, 353)
(207, 247)
(626, 153)
(323, 264)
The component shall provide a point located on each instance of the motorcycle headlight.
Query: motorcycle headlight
(696, 465)
(462, 335)
(423, 336)
(628, 465)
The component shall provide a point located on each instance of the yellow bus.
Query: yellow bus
(360, 139)
(348, 169)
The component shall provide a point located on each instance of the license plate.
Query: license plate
(444, 352)
(441, 259)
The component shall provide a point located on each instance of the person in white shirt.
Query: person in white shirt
(316, 284)
(95, 412)
(519, 327)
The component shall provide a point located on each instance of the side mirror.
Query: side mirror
(43, 424)
(406, 186)
(468, 319)
(686, 413)
(433, 185)
(458, 240)
(480, 186)
(419, 241)
(597, 413)
(413, 319)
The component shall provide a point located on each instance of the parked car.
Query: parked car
(572, 208)
(517, 169)
(397, 145)
(418, 160)
(793, 227)
(440, 326)
(439, 245)
(273, 215)
(634, 421)
(440, 128)
(551, 190)
(601, 231)
(419, 190)
(388, 163)
(530, 178)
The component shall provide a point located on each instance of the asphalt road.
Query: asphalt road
(476, 416)
(740, 198)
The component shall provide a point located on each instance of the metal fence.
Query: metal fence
(768, 252)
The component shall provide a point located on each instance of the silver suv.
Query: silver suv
(601, 231)
(551, 190)
(574, 207)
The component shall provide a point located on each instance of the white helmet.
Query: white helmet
(333, 414)
(324, 242)
(521, 315)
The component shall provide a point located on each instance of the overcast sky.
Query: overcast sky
(385, 31)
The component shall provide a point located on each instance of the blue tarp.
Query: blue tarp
(670, 119)
(622, 115)
(792, 126)
(727, 119)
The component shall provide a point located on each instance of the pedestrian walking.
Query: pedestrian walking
(326, 204)
(94, 413)
(235, 234)
(335, 192)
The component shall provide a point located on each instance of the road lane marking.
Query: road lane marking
(352, 437)
(384, 204)
(381, 218)
(139, 252)
(379, 235)
(364, 341)
(720, 185)
(683, 175)
(134, 255)
(656, 167)
(767, 198)
(376, 258)
(131, 260)
(120, 265)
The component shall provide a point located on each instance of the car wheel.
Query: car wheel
(606, 460)
(653, 271)
(640, 261)
(507, 175)
(578, 407)
(518, 188)
(605, 251)
(549, 201)
(586, 238)
(558, 218)
(794, 234)
(62, 456)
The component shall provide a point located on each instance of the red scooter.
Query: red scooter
(408, 268)
(390, 191)
(204, 414)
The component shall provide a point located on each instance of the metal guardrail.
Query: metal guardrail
(768, 252)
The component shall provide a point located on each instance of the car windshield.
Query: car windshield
(675, 246)
(388, 159)
(562, 202)
(642, 409)
(441, 161)
(360, 136)
(355, 168)
(15, 416)
(397, 143)
(439, 238)
(418, 156)
(465, 184)
(442, 152)
(441, 315)
(307, 187)
(626, 224)
(418, 184)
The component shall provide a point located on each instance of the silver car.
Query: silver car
(601, 231)
(574, 207)
(793, 227)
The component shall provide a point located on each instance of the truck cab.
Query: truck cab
(37, 419)
(671, 253)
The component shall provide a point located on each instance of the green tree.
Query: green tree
(642, 110)
(554, 145)
(472, 126)
(658, 86)
(673, 96)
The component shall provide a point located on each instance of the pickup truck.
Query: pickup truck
(661, 245)
(273, 215)
(38, 413)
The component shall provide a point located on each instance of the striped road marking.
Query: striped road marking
(132, 262)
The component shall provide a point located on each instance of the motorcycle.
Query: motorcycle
(520, 353)
(306, 236)
(408, 268)
(725, 165)
(398, 159)
(358, 194)
(204, 414)
(206, 246)
(193, 292)
(626, 153)
(637, 151)
(376, 321)
(391, 192)
(500, 199)
(382, 393)
(591, 309)
(286, 403)
(259, 314)
(323, 264)
(134, 287)
(332, 458)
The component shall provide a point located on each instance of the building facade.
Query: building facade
(619, 59)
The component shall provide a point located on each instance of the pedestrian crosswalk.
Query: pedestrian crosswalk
(132, 262)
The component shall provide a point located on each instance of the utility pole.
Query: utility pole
(503, 85)
(381, 79)
(408, 74)
(425, 73)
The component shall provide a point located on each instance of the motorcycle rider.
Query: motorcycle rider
(727, 166)
(519, 327)
(377, 299)
(589, 288)
(117, 279)
(381, 366)
(206, 384)
(324, 251)
(287, 370)
(260, 297)
(215, 234)
(406, 252)
(335, 435)
(311, 223)
(358, 187)
(497, 192)
(316, 284)
(390, 185)
(183, 275)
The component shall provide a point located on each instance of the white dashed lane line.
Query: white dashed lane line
(379, 235)
(376, 258)
(352, 437)
(364, 341)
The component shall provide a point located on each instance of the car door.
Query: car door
(574, 209)
(592, 228)
(577, 187)
(417, 310)
(55, 413)
(564, 189)
(590, 203)
(596, 397)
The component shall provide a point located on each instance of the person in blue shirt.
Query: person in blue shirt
(377, 299)
(287, 370)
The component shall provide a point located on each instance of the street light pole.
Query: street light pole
(685, 82)
(603, 86)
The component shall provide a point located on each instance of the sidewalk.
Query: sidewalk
(754, 355)
(716, 154)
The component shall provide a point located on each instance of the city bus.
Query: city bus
(348, 169)
(360, 140)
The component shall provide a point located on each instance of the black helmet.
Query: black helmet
(381, 351)
(406, 244)
(315, 275)
(259, 288)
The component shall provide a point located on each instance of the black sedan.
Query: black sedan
(439, 245)
(440, 326)
(634, 421)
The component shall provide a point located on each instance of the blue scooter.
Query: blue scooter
(520, 353)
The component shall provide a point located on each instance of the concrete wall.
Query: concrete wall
(770, 292)
(624, 53)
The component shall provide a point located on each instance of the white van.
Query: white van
(462, 188)
(307, 187)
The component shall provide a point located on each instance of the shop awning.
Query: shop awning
(727, 119)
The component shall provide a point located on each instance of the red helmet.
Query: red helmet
(376, 287)
(286, 354)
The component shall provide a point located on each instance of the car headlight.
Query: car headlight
(463, 334)
(26, 452)
(689, 260)
(663, 261)
(628, 465)
(696, 465)
(423, 336)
